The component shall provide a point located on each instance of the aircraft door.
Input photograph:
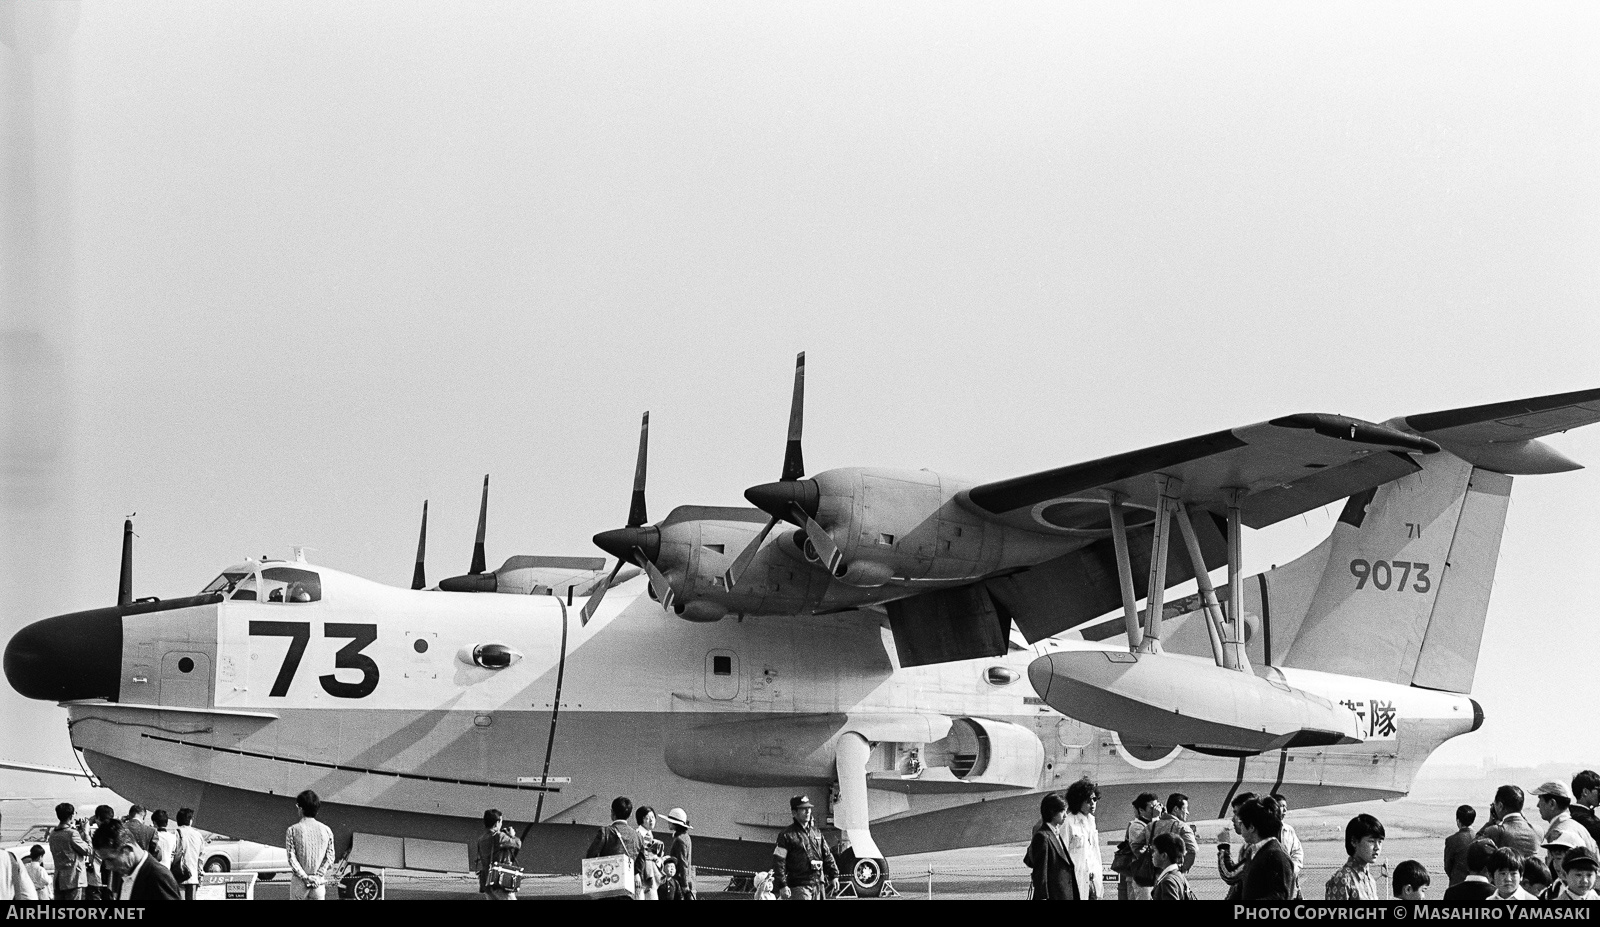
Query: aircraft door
(185, 679)
(722, 675)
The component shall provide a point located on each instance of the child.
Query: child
(1411, 881)
(1535, 877)
(1578, 873)
(1168, 854)
(1505, 871)
(670, 888)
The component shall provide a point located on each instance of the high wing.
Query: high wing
(1281, 467)
(1291, 465)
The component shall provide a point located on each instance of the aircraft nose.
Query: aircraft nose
(777, 499)
(68, 657)
(620, 542)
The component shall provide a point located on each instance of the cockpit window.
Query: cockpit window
(291, 585)
(224, 584)
(245, 589)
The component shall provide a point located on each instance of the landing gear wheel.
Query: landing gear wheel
(217, 864)
(366, 887)
(866, 876)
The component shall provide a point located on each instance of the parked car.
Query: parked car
(37, 835)
(225, 854)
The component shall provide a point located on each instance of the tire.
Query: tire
(366, 887)
(266, 876)
(217, 864)
(867, 877)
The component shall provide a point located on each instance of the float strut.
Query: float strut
(1168, 488)
(1235, 626)
(1130, 602)
(1208, 594)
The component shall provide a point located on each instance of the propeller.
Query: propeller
(792, 498)
(476, 578)
(419, 577)
(125, 578)
(478, 564)
(637, 543)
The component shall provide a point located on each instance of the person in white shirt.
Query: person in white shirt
(1081, 835)
(309, 843)
(165, 841)
(190, 843)
(34, 867)
(1291, 842)
(1505, 871)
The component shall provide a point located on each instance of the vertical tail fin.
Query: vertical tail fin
(1404, 589)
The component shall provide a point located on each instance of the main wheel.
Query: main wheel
(217, 864)
(366, 887)
(867, 877)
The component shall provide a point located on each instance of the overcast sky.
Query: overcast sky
(277, 272)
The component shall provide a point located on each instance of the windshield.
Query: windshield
(291, 585)
(38, 833)
(224, 583)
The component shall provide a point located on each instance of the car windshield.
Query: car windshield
(38, 833)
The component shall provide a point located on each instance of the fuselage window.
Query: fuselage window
(721, 666)
(291, 585)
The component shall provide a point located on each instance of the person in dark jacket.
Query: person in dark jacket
(803, 867)
(1052, 875)
(620, 838)
(1476, 886)
(497, 847)
(1269, 876)
(143, 877)
(681, 848)
(1455, 845)
(1585, 793)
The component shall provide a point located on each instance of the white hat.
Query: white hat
(678, 817)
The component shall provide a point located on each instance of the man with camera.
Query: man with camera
(69, 849)
(497, 850)
(803, 867)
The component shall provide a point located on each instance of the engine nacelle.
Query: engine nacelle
(702, 610)
(981, 751)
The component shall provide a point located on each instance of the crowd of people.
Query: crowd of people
(139, 857)
(149, 856)
(1500, 861)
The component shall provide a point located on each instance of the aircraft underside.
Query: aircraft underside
(241, 773)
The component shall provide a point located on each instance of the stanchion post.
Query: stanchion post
(930, 883)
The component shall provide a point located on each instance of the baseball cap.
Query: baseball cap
(800, 801)
(1580, 858)
(1554, 790)
(1565, 840)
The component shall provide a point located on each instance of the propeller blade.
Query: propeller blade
(598, 596)
(742, 562)
(125, 579)
(658, 579)
(636, 512)
(419, 578)
(478, 564)
(794, 466)
(827, 551)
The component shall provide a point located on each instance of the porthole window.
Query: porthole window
(419, 645)
(186, 665)
(1001, 675)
